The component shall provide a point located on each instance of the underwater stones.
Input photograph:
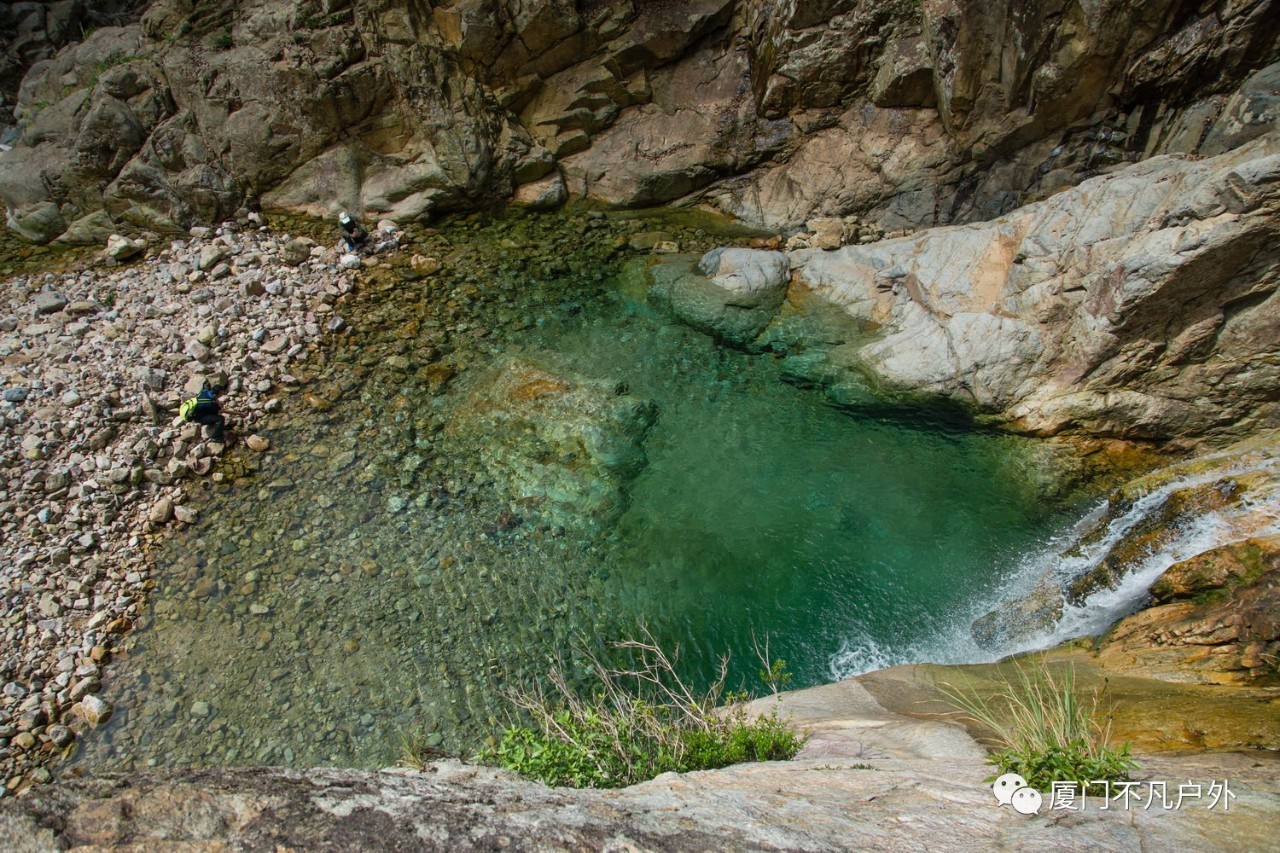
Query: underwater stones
(257, 443)
(423, 265)
(560, 445)
(732, 294)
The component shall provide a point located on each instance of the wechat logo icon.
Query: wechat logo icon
(1011, 790)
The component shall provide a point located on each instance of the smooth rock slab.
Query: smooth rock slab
(830, 803)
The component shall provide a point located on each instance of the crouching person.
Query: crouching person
(203, 409)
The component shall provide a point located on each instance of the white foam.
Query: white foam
(859, 652)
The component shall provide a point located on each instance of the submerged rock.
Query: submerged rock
(731, 293)
(562, 445)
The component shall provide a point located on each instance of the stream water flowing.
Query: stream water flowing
(360, 582)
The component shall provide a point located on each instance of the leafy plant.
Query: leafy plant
(1047, 732)
(633, 723)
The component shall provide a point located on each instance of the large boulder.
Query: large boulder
(731, 293)
(1140, 305)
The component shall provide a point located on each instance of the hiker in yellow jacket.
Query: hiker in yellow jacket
(203, 409)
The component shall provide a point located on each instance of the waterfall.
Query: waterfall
(1076, 553)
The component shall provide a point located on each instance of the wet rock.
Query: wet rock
(1220, 625)
(424, 266)
(61, 736)
(257, 443)
(1022, 618)
(1218, 570)
(732, 293)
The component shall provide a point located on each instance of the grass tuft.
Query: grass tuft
(634, 722)
(1046, 732)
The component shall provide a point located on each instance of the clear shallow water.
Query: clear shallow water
(361, 581)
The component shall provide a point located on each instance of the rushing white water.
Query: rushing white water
(1069, 557)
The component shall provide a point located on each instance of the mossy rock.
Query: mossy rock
(1211, 575)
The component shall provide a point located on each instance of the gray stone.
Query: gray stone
(120, 248)
(296, 251)
(40, 222)
(14, 395)
(276, 345)
(211, 256)
(48, 302)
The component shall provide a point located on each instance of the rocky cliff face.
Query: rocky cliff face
(904, 114)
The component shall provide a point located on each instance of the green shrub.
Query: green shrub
(1046, 732)
(633, 724)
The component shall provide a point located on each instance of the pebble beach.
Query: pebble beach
(95, 458)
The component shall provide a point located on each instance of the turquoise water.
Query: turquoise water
(363, 580)
(765, 511)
